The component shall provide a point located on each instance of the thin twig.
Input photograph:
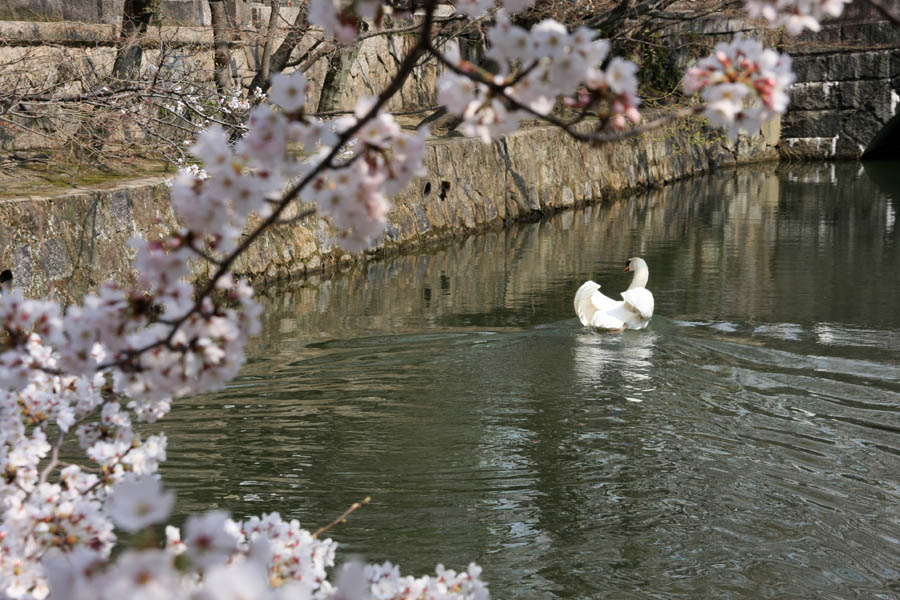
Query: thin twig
(343, 518)
(303, 215)
(54, 457)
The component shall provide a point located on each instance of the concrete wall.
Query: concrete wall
(66, 244)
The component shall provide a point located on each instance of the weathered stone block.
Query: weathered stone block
(813, 95)
(815, 41)
(873, 33)
(861, 65)
(810, 124)
(872, 95)
(858, 128)
(814, 67)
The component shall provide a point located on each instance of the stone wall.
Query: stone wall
(184, 12)
(73, 56)
(848, 86)
(66, 244)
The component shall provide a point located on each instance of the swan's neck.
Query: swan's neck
(640, 278)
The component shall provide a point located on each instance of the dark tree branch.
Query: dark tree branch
(282, 55)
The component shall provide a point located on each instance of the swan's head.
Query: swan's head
(635, 264)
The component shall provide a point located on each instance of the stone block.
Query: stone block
(815, 67)
(809, 124)
(196, 12)
(814, 41)
(813, 95)
(869, 94)
(858, 128)
(860, 65)
(873, 33)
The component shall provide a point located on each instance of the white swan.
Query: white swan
(633, 312)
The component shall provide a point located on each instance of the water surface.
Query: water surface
(746, 445)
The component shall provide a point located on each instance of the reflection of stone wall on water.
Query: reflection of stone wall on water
(831, 234)
(527, 273)
(728, 232)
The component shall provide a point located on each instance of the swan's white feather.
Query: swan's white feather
(639, 300)
(584, 306)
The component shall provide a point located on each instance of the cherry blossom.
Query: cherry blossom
(288, 91)
(335, 23)
(743, 84)
(137, 503)
(211, 538)
(795, 15)
(473, 8)
(536, 67)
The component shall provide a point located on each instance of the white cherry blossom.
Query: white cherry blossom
(289, 90)
(137, 503)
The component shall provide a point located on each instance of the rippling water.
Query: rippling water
(746, 445)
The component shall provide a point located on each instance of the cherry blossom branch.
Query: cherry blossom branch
(403, 71)
(343, 518)
(300, 217)
(54, 458)
(568, 127)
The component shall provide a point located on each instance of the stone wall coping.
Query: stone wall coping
(37, 32)
(88, 190)
(75, 33)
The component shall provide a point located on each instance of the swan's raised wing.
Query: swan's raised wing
(640, 301)
(584, 308)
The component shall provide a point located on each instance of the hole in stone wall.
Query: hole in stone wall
(427, 189)
(6, 277)
(445, 187)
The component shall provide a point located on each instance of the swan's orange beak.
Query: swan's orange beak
(626, 269)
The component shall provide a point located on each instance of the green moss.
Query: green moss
(40, 180)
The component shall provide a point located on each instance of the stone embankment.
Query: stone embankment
(65, 244)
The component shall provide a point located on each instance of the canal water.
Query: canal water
(746, 445)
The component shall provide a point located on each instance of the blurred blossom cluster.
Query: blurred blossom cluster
(742, 83)
(98, 369)
(795, 15)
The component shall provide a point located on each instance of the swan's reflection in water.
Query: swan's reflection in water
(615, 365)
